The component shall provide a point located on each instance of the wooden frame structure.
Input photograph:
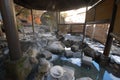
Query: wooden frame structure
(108, 11)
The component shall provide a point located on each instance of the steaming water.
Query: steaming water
(95, 71)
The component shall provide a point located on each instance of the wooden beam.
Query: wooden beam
(109, 38)
(99, 21)
(72, 24)
(117, 20)
(84, 28)
(32, 21)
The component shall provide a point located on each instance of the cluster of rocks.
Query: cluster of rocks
(78, 47)
(40, 50)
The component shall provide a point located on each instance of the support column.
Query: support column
(9, 21)
(84, 27)
(32, 21)
(57, 21)
(70, 28)
(109, 37)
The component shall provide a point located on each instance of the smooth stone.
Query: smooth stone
(84, 78)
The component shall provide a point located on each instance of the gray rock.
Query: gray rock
(75, 47)
(44, 66)
(89, 52)
(67, 43)
(47, 54)
(69, 53)
(77, 55)
(84, 78)
(87, 61)
(33, 51)
(56, 48)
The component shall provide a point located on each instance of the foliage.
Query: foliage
(23, 11)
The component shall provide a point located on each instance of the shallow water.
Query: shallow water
(95, 71)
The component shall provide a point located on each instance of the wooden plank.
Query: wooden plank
(77, 28)
(100, 33)
(104, 10)
(99, 22)
(32, 21)
(117, 21)
(72, 24)
(90, 15)
(63, 29)
(89, 30)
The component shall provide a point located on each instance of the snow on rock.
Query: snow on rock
(76, 61)
(115, 59)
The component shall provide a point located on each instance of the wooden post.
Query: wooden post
(58, 20)
(32, 21)
(70, 28)
(9, 23)
(109, 37)
(84, 27)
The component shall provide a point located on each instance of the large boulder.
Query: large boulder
(44, 65)
(43, 68)
(56, 47)
(89, 52)
(20, 68)
(32, 53)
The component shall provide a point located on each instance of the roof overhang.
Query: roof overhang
(54, 5)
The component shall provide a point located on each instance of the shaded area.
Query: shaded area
(52, 5)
